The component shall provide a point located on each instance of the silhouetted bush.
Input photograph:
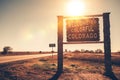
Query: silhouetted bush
(40, 51)
(91, 51)
(76, 51)
(98, 51)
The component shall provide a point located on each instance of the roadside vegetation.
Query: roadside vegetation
(77, 66)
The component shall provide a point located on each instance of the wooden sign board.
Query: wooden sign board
(86, 29)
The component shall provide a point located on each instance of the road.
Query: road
(4, 59)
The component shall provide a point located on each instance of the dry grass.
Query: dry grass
(77, 66)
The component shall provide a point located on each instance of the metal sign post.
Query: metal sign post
(52, 45)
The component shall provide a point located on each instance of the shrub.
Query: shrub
(76, 51)
(40, 51)
(98, 51)
(36, 66)
(43, 59)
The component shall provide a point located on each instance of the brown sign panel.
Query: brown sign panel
(86, 29)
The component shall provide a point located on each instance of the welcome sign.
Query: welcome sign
(86, 29)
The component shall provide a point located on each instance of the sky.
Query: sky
(31, 25)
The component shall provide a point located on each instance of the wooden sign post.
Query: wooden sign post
(107, 44)
(60, 44)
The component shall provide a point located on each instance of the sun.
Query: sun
(75, 8)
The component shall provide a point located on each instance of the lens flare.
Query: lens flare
(75, 8)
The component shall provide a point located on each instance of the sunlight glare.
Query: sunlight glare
(75, 8)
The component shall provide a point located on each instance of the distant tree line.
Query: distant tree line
(88, 51)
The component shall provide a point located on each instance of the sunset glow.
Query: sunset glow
(75, 8)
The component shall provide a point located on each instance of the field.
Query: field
(77, 66)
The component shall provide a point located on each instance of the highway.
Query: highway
(4, 59)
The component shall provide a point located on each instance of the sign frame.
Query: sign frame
(107, 42)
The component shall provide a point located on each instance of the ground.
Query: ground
(77, 66)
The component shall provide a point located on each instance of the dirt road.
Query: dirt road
(4, 59)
